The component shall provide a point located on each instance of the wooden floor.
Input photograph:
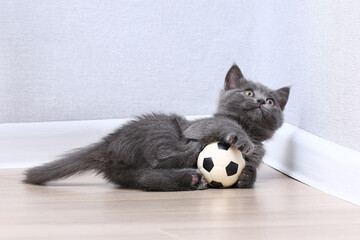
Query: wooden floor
(89, 208)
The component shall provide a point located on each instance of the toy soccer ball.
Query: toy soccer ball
(220, 164)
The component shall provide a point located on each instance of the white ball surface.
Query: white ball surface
(220, 164)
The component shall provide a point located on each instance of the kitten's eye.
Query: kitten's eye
(270, 101)
(249, 93)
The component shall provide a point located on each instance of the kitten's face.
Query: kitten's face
(258, 108)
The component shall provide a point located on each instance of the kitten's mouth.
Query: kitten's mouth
(257, 108)
(253, 108)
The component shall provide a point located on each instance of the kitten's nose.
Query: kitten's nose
(261, 101)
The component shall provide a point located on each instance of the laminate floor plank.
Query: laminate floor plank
(86, 207)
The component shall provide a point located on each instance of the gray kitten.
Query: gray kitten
(158, 152)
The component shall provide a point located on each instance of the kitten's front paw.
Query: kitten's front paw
(240, 141)
(247, 178)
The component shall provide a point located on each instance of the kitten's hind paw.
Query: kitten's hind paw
(198, 181)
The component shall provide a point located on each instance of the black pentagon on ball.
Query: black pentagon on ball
(232, 168)
(208, 164)
(216, 184)
(223, 146)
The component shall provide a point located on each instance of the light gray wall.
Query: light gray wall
(70, 60)
(315, 46)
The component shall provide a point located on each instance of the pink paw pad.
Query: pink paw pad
(195, 180)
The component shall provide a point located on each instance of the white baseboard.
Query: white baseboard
(310, 159)
(28, 144)
(315, 161)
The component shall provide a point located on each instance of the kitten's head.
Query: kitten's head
(256, 107)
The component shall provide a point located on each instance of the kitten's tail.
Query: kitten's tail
(82, 160)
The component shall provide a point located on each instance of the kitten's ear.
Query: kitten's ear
(234, 78)
(282, 96)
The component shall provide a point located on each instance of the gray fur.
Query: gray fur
(158, 152)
